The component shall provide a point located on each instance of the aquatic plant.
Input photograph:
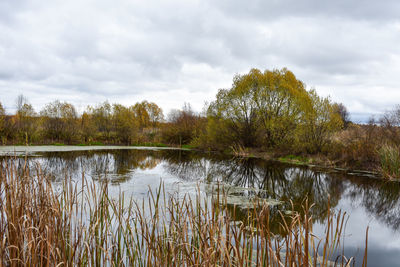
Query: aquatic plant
(77, 223)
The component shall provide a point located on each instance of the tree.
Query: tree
(141, 114)
(341, 110)
(259, 108)
(390, 126)
(280, 99)
(124, 123)
(102, 119)
(155, 114)
(87, 127)
(147, 114)
(320, 120)
(25, 120)
(2, 124)
(60, 121)
(234, 110)
(183, 126)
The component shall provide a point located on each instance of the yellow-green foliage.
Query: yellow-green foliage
(25, 121)
(125, 125)
(319, 121)
(271, 109)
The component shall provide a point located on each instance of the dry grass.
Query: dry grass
(239, 150)
(390, 161)
(81, 225)
(356, 147)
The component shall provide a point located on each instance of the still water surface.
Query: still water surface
(369, 201)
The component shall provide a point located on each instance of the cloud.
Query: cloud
(272, 9)
(170, 52)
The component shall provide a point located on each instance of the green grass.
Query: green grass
(91, 144)
(58, 144)
(150, 144)
(294, 159)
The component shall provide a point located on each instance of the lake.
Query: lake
(369, 201)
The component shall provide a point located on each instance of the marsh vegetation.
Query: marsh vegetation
(81, 223)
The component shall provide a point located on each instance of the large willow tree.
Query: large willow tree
(270, 108)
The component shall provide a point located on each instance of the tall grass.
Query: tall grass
(240, 151)
(78, 224)
(390, 161)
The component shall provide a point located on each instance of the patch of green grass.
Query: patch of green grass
(58, 144)
(294, 159)
(91, 144)
(149, 144)
(94, 143)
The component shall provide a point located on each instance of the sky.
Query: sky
(170, 52)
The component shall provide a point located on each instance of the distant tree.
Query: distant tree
(341, 110)
(147, 114)
(60, 121)
(124, 123)
(141, 114)
(390, 126)
(20, 101)
(155, 114)
(2, 116)
(87, 127)
(183, 126)
(102, 119)
(25, 120)
(2, 124)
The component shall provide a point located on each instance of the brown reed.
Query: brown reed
(79, 224)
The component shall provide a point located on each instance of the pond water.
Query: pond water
(369, 201)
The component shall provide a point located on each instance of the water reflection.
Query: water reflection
(380, 199)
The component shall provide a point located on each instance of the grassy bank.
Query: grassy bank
(82, 225)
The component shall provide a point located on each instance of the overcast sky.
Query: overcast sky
(171, 52)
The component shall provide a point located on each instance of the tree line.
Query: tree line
(59, 123)
(268, 111)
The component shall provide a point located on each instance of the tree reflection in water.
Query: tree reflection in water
(287, 183)
(272, 180)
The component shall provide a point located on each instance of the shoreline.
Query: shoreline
(314, 163)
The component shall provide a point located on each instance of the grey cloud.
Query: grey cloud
(270, 10)
(125, 50)
(9, 9)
